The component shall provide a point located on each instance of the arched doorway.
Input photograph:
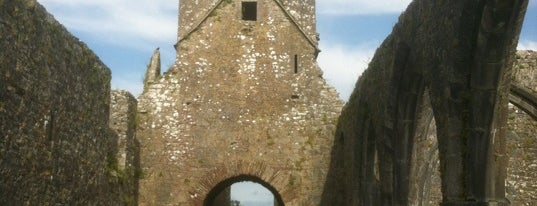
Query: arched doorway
(220, 195)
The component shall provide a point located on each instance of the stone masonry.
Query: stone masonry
(56, 146)
(245, 101)
(451, 59)
(124, 162)
(520, 147)
(521, 141)
(525, 70)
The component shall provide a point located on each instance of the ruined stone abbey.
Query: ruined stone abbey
(244, 101)
(446, 113)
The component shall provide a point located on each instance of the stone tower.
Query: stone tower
(245, 101)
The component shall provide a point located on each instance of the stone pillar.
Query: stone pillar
(125, 167)
(153, 70)
(482, 135)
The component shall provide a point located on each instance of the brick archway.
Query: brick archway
(222, 186)
(223, 176)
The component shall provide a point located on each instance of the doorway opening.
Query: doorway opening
(243, 190)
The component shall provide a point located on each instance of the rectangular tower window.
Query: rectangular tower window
(249, 10)
(296, 64)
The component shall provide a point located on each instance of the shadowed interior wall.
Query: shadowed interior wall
(459, 54)
(56, 147)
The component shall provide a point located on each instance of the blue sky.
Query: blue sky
(124, 34)
(252, 194)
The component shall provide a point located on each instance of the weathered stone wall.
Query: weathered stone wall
(124, 161)
(525, 71)
(303, 11)
(191, 13)
(55, 143)
(521, 148)
(425, 183)
(153, 69)
(456, 57)
(233, 108)
(522, 141)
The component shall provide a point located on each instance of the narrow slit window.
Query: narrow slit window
(249, 10)
(296, 64)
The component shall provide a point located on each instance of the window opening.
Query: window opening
(249, 10)
(296, 64)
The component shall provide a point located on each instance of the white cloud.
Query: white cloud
(141, 25)
(144, 25)
(342, 65)
(118, 21)
(121, 21)
(361, 7)
(527, 45)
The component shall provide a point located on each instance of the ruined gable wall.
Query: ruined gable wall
(233, 105)
(303, 11)
(54, 109)
(192, 12)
